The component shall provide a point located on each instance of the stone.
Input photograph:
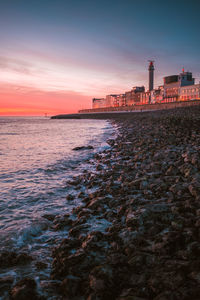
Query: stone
(70, 286)
(24, 289)
(83, 148)
(70, 197)
(145, 186)
(5, 283)
(10, 259)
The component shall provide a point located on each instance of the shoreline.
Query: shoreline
(110, 112)
(146, 193)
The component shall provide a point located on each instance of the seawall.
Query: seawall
(118, 112)
(144, 107)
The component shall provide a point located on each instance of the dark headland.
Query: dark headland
(147, 192)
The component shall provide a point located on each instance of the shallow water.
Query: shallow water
(36, 160)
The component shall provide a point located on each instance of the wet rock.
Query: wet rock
(40, 265)
(165, 281)
(101, 279)
(167, 295)
(10, 259)
(95, 204)
(147, 186)
(132, 219)
(5, 283)
(117, 259)
(77, 230)
(49, 217)
(130, 294)
(93, 241)
(195, 275)
(137, 260)
(70, 286)
(70, 197)
(97, 284)
(128, 236)
(172, 171)
(194, 190)
(111, 142)
(89, 147)
(23, 258)
(25, 289)
(62, 221)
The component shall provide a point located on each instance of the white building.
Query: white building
(98, 102)
(189, 92)
(173, 83)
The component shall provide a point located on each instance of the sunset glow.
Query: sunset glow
(56, 58)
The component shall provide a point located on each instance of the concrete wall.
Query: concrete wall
(156, 106)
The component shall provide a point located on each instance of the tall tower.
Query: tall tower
(151, 71)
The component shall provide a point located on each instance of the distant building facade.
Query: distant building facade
(189, 92)
(173, 83)
(122, 100)
(98, 102)
(111, 100)
(145, 97)
(157, 95)
(180, 87)
(133, 97)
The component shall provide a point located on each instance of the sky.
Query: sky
(56, 55)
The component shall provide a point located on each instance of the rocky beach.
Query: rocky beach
(136, 236)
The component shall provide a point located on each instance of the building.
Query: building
(157, 95)
(173, 83)
(144, 97)
(98, 102)
(112, 100)
(133, 97)
(175, 88)
(189, 92)
(122, 100)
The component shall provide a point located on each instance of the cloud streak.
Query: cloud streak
(16, 65)
(15, 99)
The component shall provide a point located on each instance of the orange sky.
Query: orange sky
(32, 84)
(19, 100)
(55, 58)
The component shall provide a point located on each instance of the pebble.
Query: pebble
(147, 188)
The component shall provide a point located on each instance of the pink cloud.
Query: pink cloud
(22, 100)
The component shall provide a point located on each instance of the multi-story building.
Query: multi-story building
(189, 92)
(173, 83)
(145, 97)
(175, 88)
(122, 100)
(112, 100)
(133, 96)
(98, 102)
(157, 95)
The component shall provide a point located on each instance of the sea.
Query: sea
(36, 161)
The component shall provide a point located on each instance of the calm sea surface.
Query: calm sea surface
(36, 160)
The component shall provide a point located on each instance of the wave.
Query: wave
(8, 133)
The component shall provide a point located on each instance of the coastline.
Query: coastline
(110, 112)
(146, 196)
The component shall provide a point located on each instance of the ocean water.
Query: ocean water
(36, 160)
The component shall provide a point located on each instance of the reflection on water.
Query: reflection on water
(36, 160)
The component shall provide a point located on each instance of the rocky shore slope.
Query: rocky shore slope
(146, 195)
